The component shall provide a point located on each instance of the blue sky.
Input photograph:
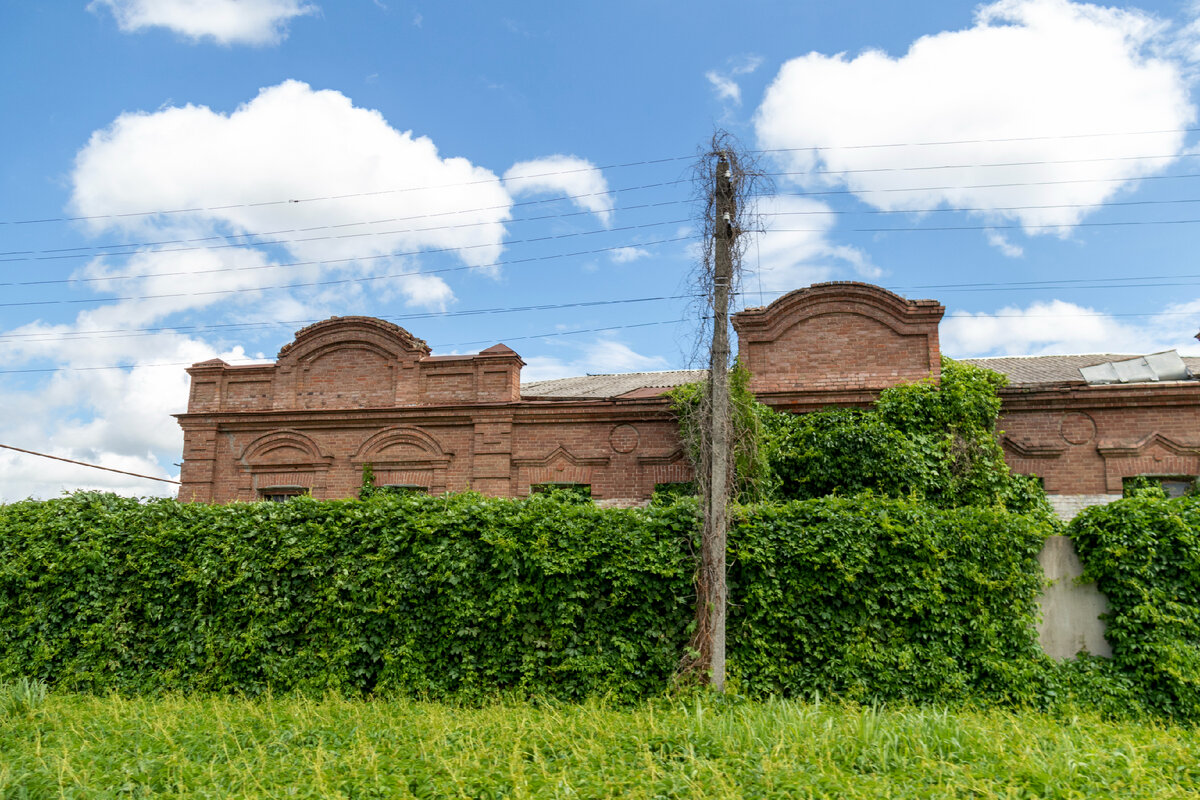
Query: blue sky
(183, 179)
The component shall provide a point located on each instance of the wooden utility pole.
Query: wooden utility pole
(716, 519)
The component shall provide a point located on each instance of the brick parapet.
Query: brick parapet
(840, 336)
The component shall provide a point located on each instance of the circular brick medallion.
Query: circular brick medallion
(624, 438)
(1077, 428)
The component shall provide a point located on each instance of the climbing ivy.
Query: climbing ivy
(1144, 553)
(465, 596)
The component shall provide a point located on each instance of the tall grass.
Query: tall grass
(208, 746)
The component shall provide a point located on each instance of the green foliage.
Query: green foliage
(465, 596)
(1142, 486)
(368, 488)
(1144, 554)
(666, 493)
(456, 595)
(566, 492)
(931, 440)
(843, 451)
(753, 479)
(886, 599)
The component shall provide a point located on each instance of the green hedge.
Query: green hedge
(873, 598)
(1144, 554)
(459, 595)
(464, 596)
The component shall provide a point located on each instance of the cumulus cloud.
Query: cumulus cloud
(119, 418)
(1056, 326)
(335, 181)
(794, 248)
(571, 176)
(599, 356)
(257, 22)
(1026, 68)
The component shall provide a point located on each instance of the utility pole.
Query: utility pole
(716, 518)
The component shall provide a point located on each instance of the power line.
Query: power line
(1038, 163)
(408, 253)
(32, 255)
(1009, 185)
(979, 209)
(397, 254)
(344, 196)
(85, 464)
(330, 282)
(644, 162)
(115, 251)
(126, 333)
(450, 344)
(257, 234)
(945, 228)
(975, 141)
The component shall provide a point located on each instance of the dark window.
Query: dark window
(402, 488)
(581, 490)
(670, 492)
(1173, 485)
(281, 494)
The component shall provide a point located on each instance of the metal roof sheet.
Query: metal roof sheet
(1034, 370)
(606, 386)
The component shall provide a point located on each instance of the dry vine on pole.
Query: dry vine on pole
(727, 180)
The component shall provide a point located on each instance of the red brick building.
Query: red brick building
(351, 391)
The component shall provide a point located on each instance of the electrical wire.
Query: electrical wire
(116, 249)
(86, 464)
(330, 282)
(259, 361)
(588, 169)
(127, 333)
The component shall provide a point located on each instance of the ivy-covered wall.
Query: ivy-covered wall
(1144, 554)
(465, 595)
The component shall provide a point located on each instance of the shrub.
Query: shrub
(465, 596)
(1144, 553)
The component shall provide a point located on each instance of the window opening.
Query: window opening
(281, 494)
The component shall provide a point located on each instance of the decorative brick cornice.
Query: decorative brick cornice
(1029, 449)
(338, 328)
(898, 313)
(560, 453)
(1110, 447)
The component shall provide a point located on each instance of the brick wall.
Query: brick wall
(356, 390)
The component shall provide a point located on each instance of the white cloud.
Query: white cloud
(23, 476)
(724, 82)
(257, 22)
(794, 249)
(575, 177)
(119, 418)
(1056, 326)
(725, 87)
(393, 191)
(624, 255)
(1000, 242)
(1027, 68)
(600, 356)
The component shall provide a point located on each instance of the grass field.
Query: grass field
(84, 746)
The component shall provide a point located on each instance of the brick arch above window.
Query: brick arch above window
(405, 455)
(285, 447)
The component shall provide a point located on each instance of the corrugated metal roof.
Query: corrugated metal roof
(1021, 371)
(598, 387)
(1034, 370)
